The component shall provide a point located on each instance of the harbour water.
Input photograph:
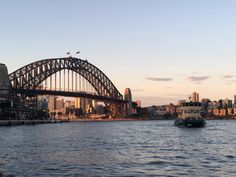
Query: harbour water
(128, 148)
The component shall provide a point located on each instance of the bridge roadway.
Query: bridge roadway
(67, 94)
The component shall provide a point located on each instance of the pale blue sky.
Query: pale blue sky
(162, 49)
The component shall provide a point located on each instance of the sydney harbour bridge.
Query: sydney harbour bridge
(70, 77)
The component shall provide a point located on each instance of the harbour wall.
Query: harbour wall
(28, 122)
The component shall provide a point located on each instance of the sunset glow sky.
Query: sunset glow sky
(162, 49)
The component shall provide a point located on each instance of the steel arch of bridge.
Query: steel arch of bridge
(31, 76)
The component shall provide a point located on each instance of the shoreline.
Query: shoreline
(107, 120)
(51, 121)
(27, 122)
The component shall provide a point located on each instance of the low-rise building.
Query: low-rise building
(213, 105)
(234, 111)
(222, 112)
(161, 110)
(216, 112)
(230, 111)
(171, 108)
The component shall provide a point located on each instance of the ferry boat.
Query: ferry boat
(190, 115)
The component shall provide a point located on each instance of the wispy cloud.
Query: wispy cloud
(198, 78)
(197, 73)
(173, 95)
(162, 79)
(228, 83)
(228, 76)
(233, 80)
(168, 87)
(182, 75)
(137, 90)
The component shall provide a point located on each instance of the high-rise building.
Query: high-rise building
(83, 104)
(86, 104)
(42, 103)
(234, 100)
(77, 102)
(89, 105)
(52, 103)
(220, 102)
(67, 103)
(59, 104)
(99, 109)
(227, 103)
(128, 97)
(94, 103)
(194, 97)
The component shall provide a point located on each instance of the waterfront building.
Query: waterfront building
(87, 105)
(171, 108)
(77, 103)
(99, 109)
(213, 105)
(204, 104)
(216, 112)
(161, 110)
(59, 105)
(94, 103)
(42, 103)
(227, 103)
(230, 111)
(151, 111)
(220, 103)
(234, 111)
(52, 103)
(210, 112)
(68, 103)
(223, 112)
(83, 104)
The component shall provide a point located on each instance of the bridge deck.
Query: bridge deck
(67, 94)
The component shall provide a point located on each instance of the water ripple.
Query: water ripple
(148, 148)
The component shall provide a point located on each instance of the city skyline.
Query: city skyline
(162, 50)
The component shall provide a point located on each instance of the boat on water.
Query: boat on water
(190, 115)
